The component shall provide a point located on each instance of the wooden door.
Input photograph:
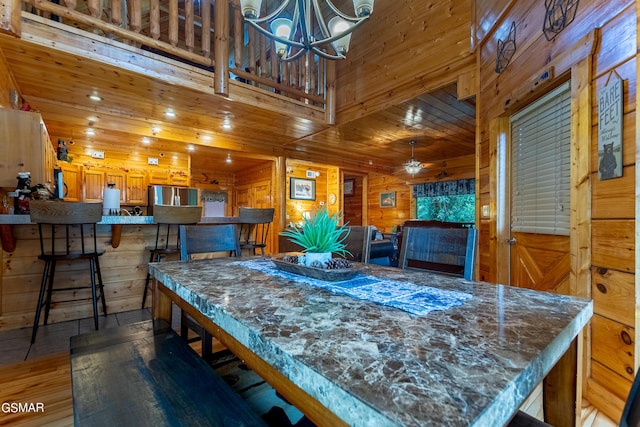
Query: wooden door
(261, 194)
(540, 261)
(137, 189)
(72, 175)
(243, 196)
(94, 184)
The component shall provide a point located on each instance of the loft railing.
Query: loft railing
(184, 30)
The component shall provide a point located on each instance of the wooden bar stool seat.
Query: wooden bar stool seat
(67, 233)
(168, 218)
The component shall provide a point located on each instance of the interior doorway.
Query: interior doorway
(354, 199)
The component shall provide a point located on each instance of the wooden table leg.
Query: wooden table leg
(7, 238)
(563, 388)
(161, 303)
(116, 235)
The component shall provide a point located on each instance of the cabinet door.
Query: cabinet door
(119, 179)
(72, 176)
(159, 178)
(182, 180)
(94, 183)
(137, 189)
(21, 149)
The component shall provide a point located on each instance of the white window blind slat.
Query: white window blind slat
(540, 153)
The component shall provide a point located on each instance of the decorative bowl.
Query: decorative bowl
(329, 275)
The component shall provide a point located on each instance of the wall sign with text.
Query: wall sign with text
(610, 110)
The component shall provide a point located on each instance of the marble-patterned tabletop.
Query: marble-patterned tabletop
(375, 365)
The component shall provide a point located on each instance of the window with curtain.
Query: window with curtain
(448, 201)
(540, 165)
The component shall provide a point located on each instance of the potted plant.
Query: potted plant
(320, 237)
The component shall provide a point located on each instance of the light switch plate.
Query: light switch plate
(98, 154)
(152, 160)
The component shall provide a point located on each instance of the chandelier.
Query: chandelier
(291, 26)
(413, 166)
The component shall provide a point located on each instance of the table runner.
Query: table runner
(415, 299)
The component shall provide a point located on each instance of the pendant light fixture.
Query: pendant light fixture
(299, 26)
(413, 166)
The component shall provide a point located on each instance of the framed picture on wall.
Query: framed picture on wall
(302, 189)
(348, 186)
(388, 200)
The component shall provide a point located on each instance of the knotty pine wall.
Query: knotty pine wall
(611, 339)
(326, 183)
(352, 205)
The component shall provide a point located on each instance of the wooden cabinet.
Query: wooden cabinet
(136, 189)
(26, 147)
(72, 175)
(159, 178)
(93, 183)
(119, 179)
(181, 180)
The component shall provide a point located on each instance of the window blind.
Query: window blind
(540, 165)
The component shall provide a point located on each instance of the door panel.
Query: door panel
(541, 262)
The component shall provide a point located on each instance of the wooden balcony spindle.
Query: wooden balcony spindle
(174, 20)
(330, 98)
(238, 37)
(275, 63)
(10, 22)
(263, 55)
(206, 28)
(116, 12)
(188, 25)
(70, 4)
(154, 19)
(94, 7)
(135, 15)
(221, 47)
(252, 50)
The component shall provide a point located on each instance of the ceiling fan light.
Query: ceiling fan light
(281, 27)
(338, 25)
(250, 8)
(412, 166)
(363, 7)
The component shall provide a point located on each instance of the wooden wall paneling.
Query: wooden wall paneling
(606, 388)
(616, 351)
(499, 200)
(385, 219)
(611, 196)
(613, 294)
(613, 244)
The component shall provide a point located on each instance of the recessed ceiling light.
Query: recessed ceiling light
(206, 137)
(190, 147)
(146, 140)
(226, 124)
(170, 113)
(228, 160)
(94, 97)
(90, 131)
(155, 129)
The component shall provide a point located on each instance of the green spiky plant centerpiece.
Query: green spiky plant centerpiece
(320, 234)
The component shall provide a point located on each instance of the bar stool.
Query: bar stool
(168, 218)
(254, 227)
(60, 222)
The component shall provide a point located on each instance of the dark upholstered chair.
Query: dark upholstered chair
(67, 232)
(254, 227)
(444, 250)
(358, 243)
(205, 239)
(168, 218)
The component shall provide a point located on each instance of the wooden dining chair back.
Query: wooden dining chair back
(358, 243)
(67, 233)
(205, 239)
(168, 218)
(444, 250)
(208, 239)
(254, 227)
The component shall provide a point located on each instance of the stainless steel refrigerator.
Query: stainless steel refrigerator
(171, 195)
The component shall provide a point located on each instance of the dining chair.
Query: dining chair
(358, 243)
(254, 227)
(444, 250)
(168, 218)
(200, 240)
(67, 233)
(631, 412)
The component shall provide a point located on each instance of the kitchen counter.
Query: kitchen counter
(116, 222)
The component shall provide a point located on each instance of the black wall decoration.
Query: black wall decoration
(560, 13)
(506, 49)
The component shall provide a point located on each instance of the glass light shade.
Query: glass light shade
(413, 167)
(281, 27)
(336, 26)
(250, 8)
(363, 7)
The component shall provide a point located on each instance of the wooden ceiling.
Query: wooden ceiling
(58, 83)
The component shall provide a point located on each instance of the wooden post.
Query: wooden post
(221, 48)
(154, 19)
(135, 15)
(174, 18)
(116, 12)
(206, 28)
(188, 25)
(10, 17)
(94, 7)
(330, 105)
(238, 37)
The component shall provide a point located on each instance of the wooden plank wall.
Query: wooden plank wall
(397, 67)
(352, 205)
(327, 182)
(612, 345)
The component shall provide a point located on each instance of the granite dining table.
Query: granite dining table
(389, 346)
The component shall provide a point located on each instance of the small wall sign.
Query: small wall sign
(610, 109)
